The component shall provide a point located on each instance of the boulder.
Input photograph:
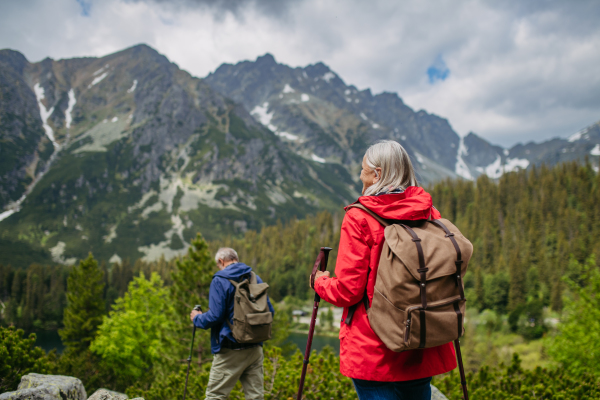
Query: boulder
(47, 387)
(105, 394)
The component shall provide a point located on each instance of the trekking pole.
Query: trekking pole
(197, 308)
(461, 368)
(322, 263)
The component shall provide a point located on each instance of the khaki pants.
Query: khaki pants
(230, 365)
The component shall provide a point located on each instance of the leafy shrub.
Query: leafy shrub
(18, 357)
(515, 383)
(578, 340)
(136, 340)
(282, 377)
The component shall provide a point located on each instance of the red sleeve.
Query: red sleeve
(352, 265)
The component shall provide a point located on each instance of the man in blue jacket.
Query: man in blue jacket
(232, 360)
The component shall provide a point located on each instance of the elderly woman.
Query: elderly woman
(389, 190)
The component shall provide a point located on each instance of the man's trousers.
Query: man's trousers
(230, 365)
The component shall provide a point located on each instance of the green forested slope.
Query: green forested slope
(524, 229)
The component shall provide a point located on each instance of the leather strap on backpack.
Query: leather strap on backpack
(422, 284)
(458, 261)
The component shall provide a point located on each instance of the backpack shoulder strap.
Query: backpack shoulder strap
(382, 221)
(253, 280)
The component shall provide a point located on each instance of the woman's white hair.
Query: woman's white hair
(226, 254)
(397, 171)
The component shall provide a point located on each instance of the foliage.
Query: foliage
(85, 306)
(525, 226)
(281, 379)
(191, 282)
(283, 255)
(18, 357)
(515, 383)
(136, 341)
(575, 345)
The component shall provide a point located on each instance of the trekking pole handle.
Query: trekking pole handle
(198, 307)
(320, 265)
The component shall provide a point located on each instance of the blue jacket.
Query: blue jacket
(220, 304)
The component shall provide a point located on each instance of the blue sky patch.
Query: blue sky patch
(86, 6)
(438, 71)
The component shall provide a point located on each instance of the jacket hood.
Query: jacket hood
(234, 271)
(413, 204)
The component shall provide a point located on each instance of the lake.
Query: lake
(48, 340)
(299, 339)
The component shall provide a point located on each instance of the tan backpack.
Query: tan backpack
(252, 318)
(419, 299)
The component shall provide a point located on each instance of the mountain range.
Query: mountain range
(128, 156)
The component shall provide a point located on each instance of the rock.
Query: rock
(104, 394)
(47, 387)
(436, 394)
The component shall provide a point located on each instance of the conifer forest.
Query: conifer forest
(533, 310)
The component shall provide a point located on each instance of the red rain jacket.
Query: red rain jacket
(362, 354)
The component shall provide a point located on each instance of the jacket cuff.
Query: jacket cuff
(318, 282)
(198, 321)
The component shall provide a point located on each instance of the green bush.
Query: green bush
(576, 344)
(282, 377)
(514, 383)
(18, 357)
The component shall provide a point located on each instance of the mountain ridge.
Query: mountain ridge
(129, 156)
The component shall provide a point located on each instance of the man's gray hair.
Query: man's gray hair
(397, 171)
(226, 254)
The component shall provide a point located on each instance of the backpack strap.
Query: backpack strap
(365, 298)
(422, 285)
(382, 221)
(458, 261)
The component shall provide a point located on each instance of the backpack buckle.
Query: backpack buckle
(416, 240)
(450, 234)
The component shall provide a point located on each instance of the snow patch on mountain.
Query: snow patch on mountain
(495, 170)
(513, 164)
(576, 136)
(305, 97)
(328, 76)
(596, 150)
(287, 135)
(461, 168)
(69, 111)
(288, 89)
(317, 158)
(98, 79)
(132, 88)
(100, 70)
(264, 117)
(44, 113)
(6, 214)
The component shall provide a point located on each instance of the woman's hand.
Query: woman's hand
(318, 275)
(194, 313)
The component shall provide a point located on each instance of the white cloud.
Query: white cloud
(517, 71)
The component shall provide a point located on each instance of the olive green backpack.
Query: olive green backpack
(252, 318)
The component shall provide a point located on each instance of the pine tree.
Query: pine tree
(85, 304)
(191, 282)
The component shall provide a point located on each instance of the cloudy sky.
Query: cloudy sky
(511, 71)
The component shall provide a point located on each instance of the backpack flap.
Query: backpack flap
(438, 250)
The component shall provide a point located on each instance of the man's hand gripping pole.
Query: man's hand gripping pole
(320, 264)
